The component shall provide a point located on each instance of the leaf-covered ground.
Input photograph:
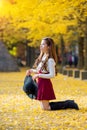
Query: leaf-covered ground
(18, 112)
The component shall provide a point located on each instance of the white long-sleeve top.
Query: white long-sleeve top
(50, 67)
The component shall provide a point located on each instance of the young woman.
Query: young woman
(44, 69)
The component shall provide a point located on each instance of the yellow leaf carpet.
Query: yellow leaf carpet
(18, 112)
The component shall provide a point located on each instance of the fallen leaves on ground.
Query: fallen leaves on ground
(18, 112)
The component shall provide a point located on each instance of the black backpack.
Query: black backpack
(30, 87)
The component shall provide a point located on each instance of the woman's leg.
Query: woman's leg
(64, 105)
(45, 105)
(59, 105)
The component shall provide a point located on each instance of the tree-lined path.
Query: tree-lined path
(27, 22)
(18, 112)
(22, 26)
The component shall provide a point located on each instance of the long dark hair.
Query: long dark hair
(52, 51)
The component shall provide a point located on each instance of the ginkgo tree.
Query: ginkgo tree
(43, 18)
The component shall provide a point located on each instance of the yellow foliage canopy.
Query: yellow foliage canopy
(43, 17)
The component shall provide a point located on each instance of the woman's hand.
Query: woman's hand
(28, 72)
(35, 76)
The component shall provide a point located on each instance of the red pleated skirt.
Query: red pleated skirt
(45, 89)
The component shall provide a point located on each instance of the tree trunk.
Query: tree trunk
(62, 51)
(7, 62)
(30, 57)
(85, 46)
(85, 53)
(80, 49)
